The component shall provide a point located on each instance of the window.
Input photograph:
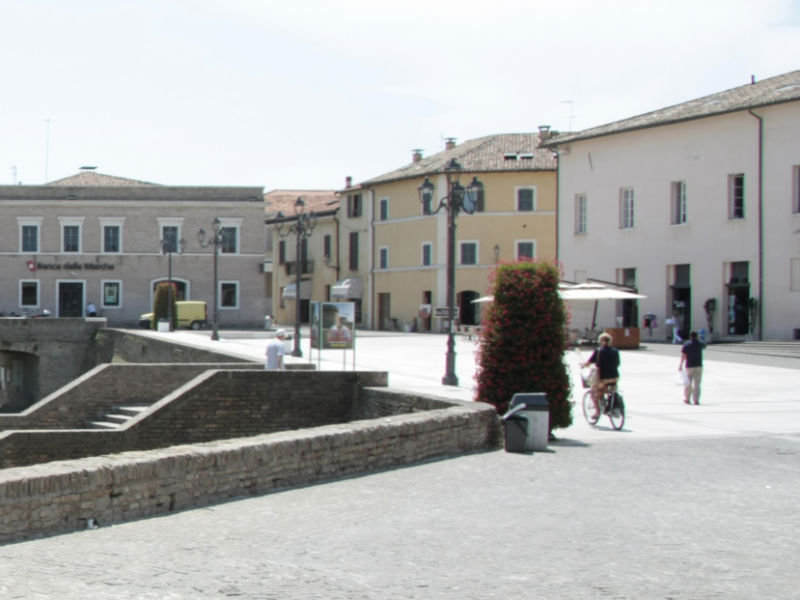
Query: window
(796, 189)
(111, 234)
(230, 240)
(526, 249)
(526, 199)
(354, 208)
(580, 213)
(229, 294)
(326, 246)
(112, 294)
(72, 238)
(354, 251)
(383, 209)
(30, 238)
(626, 208)
(383, 258)
(427, 254)
(736, 196)
(678, 203)
(469, 253)
(111, 239)
(29, 234)
(480, 205)
(282, 252)
(169, 233)
(29, 293)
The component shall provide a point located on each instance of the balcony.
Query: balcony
(307, 267)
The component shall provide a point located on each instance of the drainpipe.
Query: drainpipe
(760, 208)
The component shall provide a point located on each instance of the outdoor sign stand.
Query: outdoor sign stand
(333, 327)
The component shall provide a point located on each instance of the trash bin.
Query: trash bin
(536, 409)
(163, 325)
(268, 322)
(515, 425)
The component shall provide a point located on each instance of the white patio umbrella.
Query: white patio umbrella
(596, 292)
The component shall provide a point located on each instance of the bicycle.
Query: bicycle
(610, 404)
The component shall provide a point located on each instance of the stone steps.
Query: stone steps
(119, 417)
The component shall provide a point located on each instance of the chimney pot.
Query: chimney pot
(449, 143)
(416, 155)
(348, 182)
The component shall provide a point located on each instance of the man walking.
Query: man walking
(275, 352)
(692, 357)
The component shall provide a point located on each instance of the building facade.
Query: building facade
(97, 239)
(694, 205)
(406, 283)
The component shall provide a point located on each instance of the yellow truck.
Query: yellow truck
(191, 313)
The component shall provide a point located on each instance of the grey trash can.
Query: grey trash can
(537, 410)
(515, 425)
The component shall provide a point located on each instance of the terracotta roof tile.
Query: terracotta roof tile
(492, 153)
(775, 90)
(316, 200)
(92, 178)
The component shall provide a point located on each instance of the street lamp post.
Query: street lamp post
(301, 225)
(214, 240)
(458, 198)
(169, 245)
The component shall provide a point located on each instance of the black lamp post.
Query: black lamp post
(214, 240)
(301, 225)
(458, 198)
(169, 245)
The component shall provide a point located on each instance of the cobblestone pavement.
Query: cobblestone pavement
(685, 503)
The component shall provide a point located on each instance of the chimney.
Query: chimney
(449, 143)
(348, 182)
(544, 132)
(416, 155)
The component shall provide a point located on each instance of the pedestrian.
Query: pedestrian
(275, 352)
(692, 358)
(91, 310)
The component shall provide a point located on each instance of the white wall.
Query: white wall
(703, 153)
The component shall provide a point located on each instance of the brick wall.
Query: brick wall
(62, 496)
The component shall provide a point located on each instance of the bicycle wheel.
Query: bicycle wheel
(588, 409)
(617, 413)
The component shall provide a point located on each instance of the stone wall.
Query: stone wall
(213, 404)
(64, 496)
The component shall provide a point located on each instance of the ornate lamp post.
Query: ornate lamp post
(169, 245)
(214, 240)
(458, 198)
(301, 225)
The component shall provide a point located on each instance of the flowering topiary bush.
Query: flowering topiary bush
(161, 303)
(523, 340)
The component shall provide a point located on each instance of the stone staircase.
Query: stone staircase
(118, 416)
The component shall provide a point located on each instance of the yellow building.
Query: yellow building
(318, 243)
(406, 285)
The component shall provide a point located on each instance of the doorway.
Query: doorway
(739, 299)
(682, 300)
(70, 299)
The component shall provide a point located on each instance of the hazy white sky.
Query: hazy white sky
(285, 94)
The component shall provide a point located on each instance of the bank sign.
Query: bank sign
(73, 266)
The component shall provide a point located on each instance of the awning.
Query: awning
(597, 291)
(348, 288)
(290, 291)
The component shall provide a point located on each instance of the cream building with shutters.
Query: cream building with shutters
(405, 276)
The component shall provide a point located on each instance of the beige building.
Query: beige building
(93, 238)
(405, 274)
(318, 250)
(693, 204)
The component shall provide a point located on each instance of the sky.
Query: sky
(300, 95)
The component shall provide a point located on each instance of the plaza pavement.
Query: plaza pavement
(687, 502)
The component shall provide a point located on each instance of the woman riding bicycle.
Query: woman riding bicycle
(606, 358)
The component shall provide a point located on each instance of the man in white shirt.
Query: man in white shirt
(275, 352)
